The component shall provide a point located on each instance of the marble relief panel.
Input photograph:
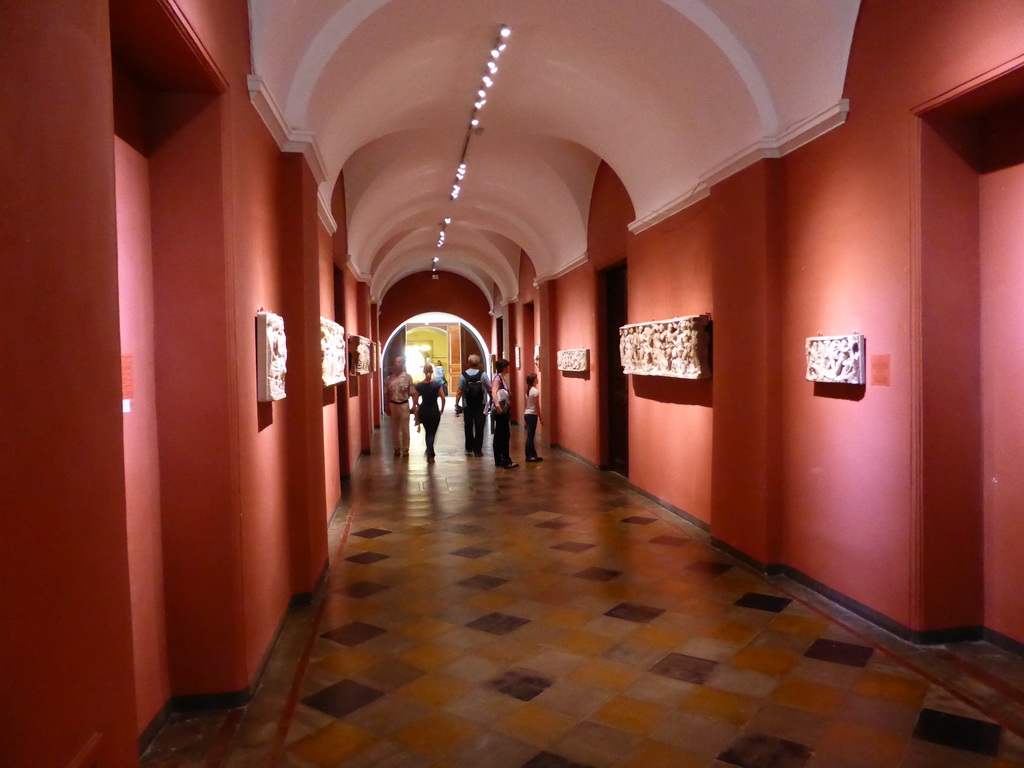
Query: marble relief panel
(836, 359)
(573, 360)
(271, 357)
(360, 355)
(677, 348)
(333, 360)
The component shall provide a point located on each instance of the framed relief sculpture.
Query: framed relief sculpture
(836, 359)
(519, 359)
(271, 357)
(677, 348)
(332, 352)
(573, 360)
(360, 354)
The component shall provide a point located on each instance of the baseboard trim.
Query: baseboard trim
(1001, 641)
(150, 731)
(575, 455)
(677, 511)
(232, 699)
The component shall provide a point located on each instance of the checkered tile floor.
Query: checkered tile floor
(541, 618)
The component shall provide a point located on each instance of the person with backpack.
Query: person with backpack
(501, 414)
(473, 394)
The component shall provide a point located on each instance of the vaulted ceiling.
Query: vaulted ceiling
(673, 94)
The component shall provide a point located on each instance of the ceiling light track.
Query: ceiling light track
(486, 83)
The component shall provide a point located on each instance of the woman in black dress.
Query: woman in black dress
(427, 412)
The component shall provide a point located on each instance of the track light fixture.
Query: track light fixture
(487, 82)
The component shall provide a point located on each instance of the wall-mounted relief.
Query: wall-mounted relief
(836, 359)
(519, 359)
(536, 357)
(573, 359)
(271, 357)
(332, 352)
(677, 348)
(360, 355)
(376, 356)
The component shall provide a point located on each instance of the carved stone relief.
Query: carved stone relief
(271, 357)
(574, 359)
(836, 359)
(677, 348)
(519, 359)
(536, 357)
(360, 355)
(332, 352)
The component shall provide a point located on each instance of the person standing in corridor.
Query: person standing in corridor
(473, 396)
(532, 416)
(398, 389)
(427, 412)
(501, 413)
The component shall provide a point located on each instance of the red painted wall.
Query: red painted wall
(66, 638)
(332, 459)
(418, 293)
(670, 420)
(141, 452)
(1002, 285)
(577, 414)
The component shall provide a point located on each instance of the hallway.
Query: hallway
(550, 617)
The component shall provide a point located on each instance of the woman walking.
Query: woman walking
(427, 413)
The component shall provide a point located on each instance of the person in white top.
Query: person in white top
(398, 389)
(532, 416)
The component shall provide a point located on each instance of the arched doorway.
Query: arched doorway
(444, 338)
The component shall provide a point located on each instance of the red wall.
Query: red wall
(66, 642)
(1002, 280)
(141, 453)
(418, 293)
(332, 459)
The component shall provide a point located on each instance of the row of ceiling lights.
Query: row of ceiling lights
(474, 121)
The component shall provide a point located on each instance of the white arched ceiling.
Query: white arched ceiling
(672, 94)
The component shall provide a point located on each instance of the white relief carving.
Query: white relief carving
(536, 357)
(836, 359)
(677, 348)
(574, 359)
(271, 357)
(360, 355)
(519, 359)
(332, 352)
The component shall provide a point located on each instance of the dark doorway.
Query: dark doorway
(615, 403)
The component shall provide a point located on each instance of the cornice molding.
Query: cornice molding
(565, 269)
(794, 137)
(323, 208)
(291, 140)
(357, 273)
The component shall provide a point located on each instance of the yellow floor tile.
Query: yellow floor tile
(585, 643)
(905, 690)
(799, 625)
(535, 724)
(491, 602)
(731, 632)
(566, 618)
(332, 744)
(426, 629)
(721, 705)
(604, 675)
(429, 656)
(863, 743)
(347, 662)
(767, 660)
(436, 735)
(808, 696)
(656, 637)
(640, 717)
(652, 754)
(434, 690)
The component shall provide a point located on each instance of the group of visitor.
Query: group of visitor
(477, 397)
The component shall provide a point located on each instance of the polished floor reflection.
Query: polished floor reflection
(547, 616)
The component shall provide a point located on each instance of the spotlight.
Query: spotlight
(448, 220)
(474, 122)
(505, 32)
(437, 259)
